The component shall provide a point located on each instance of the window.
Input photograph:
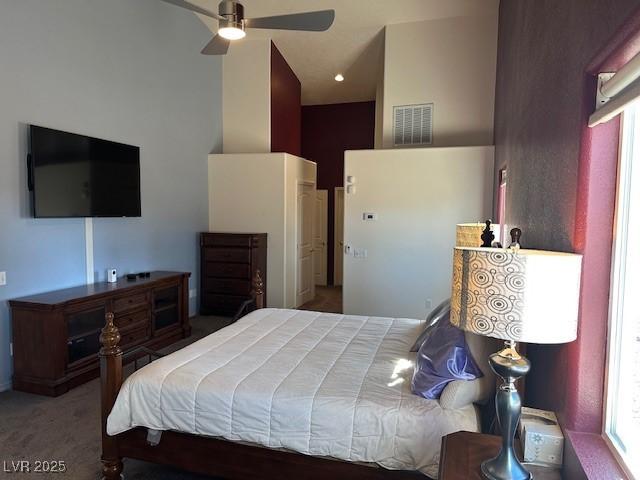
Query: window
(622, 419)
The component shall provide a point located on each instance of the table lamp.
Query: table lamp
(516, 295)
(471, 234)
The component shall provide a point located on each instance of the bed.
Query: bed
(283, 393)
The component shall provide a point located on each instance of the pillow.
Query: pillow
(460, 393)
(442, 358)
(432, 320)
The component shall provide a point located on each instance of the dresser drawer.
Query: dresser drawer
(228, 263)
(222, 304)
(236, 255)
(227, 270)
(128, 321)
(227, 286)
(228, 240)
(130, 302)
(134, 336)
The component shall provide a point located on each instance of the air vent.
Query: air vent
(413, 124)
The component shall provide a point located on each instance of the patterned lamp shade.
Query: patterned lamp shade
(468, 234)
(524, 296)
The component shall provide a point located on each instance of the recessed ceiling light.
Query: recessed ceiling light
(339, 78)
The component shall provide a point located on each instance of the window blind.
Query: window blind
(617, 92)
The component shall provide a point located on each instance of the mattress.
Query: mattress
(315, 383)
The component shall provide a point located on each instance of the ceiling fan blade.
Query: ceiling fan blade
(194, 8)
(310, 21)
(217, 46)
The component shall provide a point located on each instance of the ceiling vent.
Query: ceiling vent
(413, 125)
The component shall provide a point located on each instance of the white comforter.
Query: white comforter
(316, 383)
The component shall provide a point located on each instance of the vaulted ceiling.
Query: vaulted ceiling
(354, 44)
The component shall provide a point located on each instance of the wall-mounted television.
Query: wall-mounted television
(73, 175)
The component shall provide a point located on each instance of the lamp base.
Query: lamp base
(501, 468)
(510, 366)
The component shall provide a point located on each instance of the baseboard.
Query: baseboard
(5, 386)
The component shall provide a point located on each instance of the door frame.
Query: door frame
(337, 248)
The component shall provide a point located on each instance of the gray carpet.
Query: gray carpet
(67, 428)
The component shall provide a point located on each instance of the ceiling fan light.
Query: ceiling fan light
(232, 33)
(339, 78)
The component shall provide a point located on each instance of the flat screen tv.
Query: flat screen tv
(76, 176)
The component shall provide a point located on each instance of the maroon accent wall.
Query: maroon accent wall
(561, 190)
(542, 105)
(327, 131)
(286, 94)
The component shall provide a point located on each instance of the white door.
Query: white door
(338, 251)
(305, 287)
(320, 237)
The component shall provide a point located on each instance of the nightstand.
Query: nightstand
(463, 452)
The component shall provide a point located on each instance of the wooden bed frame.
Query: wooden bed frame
(212, 456)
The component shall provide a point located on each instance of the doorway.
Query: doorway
(320, 237)
(327, 132)
(328, 298)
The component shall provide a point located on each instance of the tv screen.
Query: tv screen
(76, 176)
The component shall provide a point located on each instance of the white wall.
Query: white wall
(123, 70)
(450, 62)
(256, 193)
(246, 195)
(246, 104)
(419, 195)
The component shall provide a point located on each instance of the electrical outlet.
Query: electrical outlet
(193, 293)
(3, 278)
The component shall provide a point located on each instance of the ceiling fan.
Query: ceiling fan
(233, 24)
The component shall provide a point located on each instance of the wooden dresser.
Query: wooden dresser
(228, 263)
(55, 334)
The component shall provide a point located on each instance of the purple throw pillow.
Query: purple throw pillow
(443, 357)
(433, 318)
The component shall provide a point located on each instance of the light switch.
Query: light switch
(369, 217)
(3, 278)
(360, 252)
